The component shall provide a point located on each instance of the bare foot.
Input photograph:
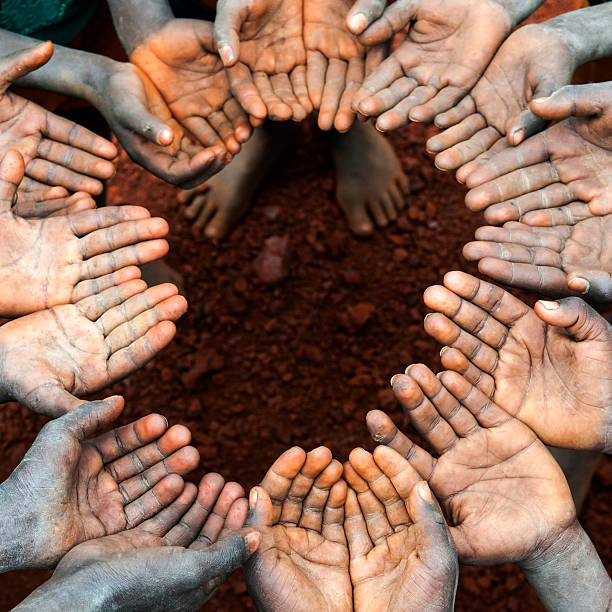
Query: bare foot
(228, 196)
(370, 182)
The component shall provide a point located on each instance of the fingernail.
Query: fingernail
(227, 55)
(518, 135)
(424, 492)
(252, 499)
(14, 200)
(540, 100)
(443, 350)
(394, 378)
(358, 23)
(164, 137)
(549, 305)
(251, 542)
(579, 284)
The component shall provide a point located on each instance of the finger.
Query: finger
(571, 100)
(381, 487)
(93, 287)
(461, 111)
(383, 431)
(280, 476)
(398, 470)
(377, 524)
(487, 413)
(215, 522)
(228, 23)
(54, 206)
(240, 123)
(300, 88)
(569, 214)
(333, 515)
(277, 109)
(316, 461)
(386, 98)
(394, 19)
(75, 159)
(283, 89)
(335, 80)
(422, 412)
(345, 116)
(137, 119)
(357, 537)
(168, 517)
(315, 502)
(316, 69)
(595, 284)
(452, 359)
(582, 322)
(210, 131)
(153, 501)
(131, 449)
(400, 115)
(50, 399)
(94, 306)
(11, 173)
(90, 417)
(92, 220)
(457, 133)
(466, 151)
(445, 99)
(237, 515)
(19, 63)
(244, 89)
(363, 13)
(519, 234)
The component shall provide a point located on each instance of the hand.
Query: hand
(504, 495)
(181, 61)
(42, 204)
(302, 561)
(447, 48)
(559, 260)
(550, 367)
(535, 61)
(260, 41)
(51, 356)
(62, 260)
(68, 489)
(56, 151)
(401, 556)
(551, 177)
(144, 126)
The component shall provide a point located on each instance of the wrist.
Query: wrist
(519, 10)
(15, 531)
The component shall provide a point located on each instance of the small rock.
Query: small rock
(400, 255)
(360, 313)
(351, 276)
(207, 361)
(312, 353)
(271, 263)
(272, 212)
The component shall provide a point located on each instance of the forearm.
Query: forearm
(586, 31)
(135, 20)
(570, 575)
(520, 9)
(69, 71)
(15, 546)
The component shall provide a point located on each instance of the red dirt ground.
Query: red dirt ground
(255, 368)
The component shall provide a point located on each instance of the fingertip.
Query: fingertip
(357, 23)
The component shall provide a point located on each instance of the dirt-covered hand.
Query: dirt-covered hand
(68, 489)
(550, 367)
(56, 151)
(302, 563)
(401, 557)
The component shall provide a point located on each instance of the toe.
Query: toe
(388, 206)
(218, 227)
(358, 220)
(195, 207)
(378, 213)
(205, 215)
(397, 197)
(403, 183)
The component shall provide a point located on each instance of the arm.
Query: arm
(569, 575)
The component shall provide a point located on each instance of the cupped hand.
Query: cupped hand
(181, 61)
(261, 43)
(176, 559)
(550, 367)
(302, 563)
(505, 497)
(533, 62)
(145, 127)
(401, 557)
(64, 259)
(50, 357)
(447, 48)
(558, 176)
(56, 151)
(559, 260)
(68, 489)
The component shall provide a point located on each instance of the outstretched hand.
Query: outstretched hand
(56, 151)
(302, 562)
(100, 486)
(401, 557)
(176, 559)
(550, 367)
(482, 453)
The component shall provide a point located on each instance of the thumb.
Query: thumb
(434, 544)
(363, 13)
(576, 316)
(91, 417)
(571, 100)
(204, 33)
(139, 120)
(260, 509)
(20, 63)
(11, 174)
(228, 553)
(229, 20)
(594, 284)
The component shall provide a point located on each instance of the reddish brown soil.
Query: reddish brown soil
(257, 368)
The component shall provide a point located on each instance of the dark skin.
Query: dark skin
(448, 47)
(481, 453)
(51, 357)
(302, 562)
(557, 177)
(100, 486)
(176, 559)
(557, 260)
(550, 366)
(43, 204)
(56, 151)
(64, 259)
(401, 555)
